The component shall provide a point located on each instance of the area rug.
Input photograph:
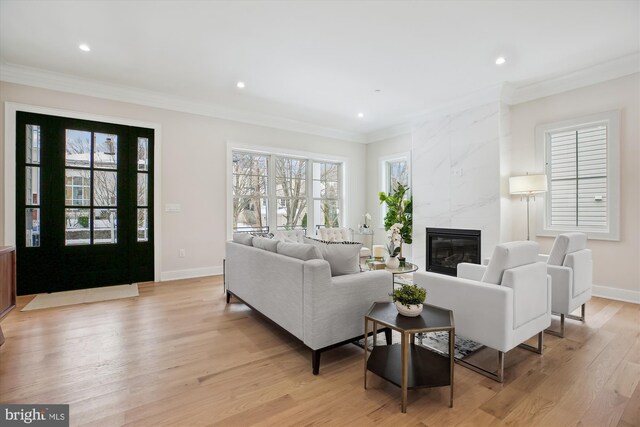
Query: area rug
(435, 341)
(81, 296)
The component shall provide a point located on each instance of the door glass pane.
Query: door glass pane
(143, 154)
(142, 189)
(77, 191)
(33, 144)
(32, 185)
(78, 148)
(105, 188)
(105, 226)
(105, 151)
(77, 227)
(143, 225)
(33, 227)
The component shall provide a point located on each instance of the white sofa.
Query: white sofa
(301, 296)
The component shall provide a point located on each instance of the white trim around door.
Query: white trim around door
(10, 110)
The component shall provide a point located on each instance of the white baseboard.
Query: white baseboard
(616, 294)
(190, 273)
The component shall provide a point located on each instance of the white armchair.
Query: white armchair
(570, 266)
(500, 305)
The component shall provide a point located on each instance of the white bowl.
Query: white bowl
(413, 310)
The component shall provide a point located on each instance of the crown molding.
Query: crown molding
(461, 103)
(29, 76)
(602, 72)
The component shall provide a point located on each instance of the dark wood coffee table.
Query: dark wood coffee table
(408, 365)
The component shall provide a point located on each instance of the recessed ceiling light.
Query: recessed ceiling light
(500, 60)
(361, 115)
(240, 85)
(84, 47)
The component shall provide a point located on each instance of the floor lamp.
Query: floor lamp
(527, 186)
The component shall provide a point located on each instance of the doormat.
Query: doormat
(435, 341)
(81, 296)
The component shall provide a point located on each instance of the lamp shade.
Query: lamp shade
(528, 184)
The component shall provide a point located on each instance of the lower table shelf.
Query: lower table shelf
(426, 368)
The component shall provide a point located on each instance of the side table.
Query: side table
(407, 365)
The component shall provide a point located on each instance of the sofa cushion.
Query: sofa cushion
(509, 255)
(334, 234)
(265, 243)
(243, 238)
(302, 251)
(343, 257)
(565, 244)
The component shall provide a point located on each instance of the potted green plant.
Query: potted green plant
(408, 299)
(399, 211)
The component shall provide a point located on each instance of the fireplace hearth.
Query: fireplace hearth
(447, 247)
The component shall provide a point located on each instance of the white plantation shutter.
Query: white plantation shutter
(577, 169)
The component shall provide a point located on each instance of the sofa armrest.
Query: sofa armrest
(334, 307)
(471, 271)
(543, 258)
(482, 312)
(561, 280)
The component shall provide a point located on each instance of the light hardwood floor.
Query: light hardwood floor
(178, 355)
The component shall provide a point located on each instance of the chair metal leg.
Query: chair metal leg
(581, 317)
(556, 333)
(498, 375)
(537, 349)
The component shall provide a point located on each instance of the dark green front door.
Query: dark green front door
(84, 198)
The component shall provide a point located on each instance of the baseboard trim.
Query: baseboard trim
(616, 294)
(190, 273)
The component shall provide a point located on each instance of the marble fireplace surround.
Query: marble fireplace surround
(457, 173)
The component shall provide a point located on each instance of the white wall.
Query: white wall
(194, 171)
(376, 152)
(616, 264)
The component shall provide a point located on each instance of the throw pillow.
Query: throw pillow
(301, 251)
(266, 244)
(243, 238)
(343, 257)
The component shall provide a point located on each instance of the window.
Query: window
(279, 192)
(397, 172)
(393, 170)
(250, 192)
(326, 194)
(581, 162)
(291, 193)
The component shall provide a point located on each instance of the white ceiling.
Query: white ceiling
(318, 62)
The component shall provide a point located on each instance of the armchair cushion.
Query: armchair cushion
(471, 271)
(509, 255)
(564, 244)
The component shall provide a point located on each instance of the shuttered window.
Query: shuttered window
(578, 165)
(582, 162)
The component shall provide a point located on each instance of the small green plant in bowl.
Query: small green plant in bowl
(408, 299)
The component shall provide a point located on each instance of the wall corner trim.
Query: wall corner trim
(190, 273)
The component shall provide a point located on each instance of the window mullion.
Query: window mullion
(272, 199)
(310, 199)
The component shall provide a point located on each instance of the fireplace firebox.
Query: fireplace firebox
(447, 247)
